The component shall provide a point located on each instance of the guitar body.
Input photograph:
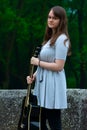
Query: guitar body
(29, 118)
(33, 118)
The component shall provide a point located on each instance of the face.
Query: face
(52, 21)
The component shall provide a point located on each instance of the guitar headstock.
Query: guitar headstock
(37, 51)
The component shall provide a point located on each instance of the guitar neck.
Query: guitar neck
(31, 74)
(29, 88)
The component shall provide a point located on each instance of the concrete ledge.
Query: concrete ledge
(73, 118)
(10, 107)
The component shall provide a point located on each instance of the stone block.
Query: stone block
(73, 118)
(10, 107)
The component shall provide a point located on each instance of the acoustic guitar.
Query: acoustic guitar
(30, 112)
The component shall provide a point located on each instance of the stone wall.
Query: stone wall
(73, 118)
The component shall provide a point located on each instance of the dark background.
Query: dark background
(22, 26)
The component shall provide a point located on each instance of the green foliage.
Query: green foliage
(22, 26)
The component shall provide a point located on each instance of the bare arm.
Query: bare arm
(58, 65)
(31, 79)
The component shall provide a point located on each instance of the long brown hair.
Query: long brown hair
(61, 29)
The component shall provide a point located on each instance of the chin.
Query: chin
(50, 26)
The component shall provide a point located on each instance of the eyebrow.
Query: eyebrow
(49, 16)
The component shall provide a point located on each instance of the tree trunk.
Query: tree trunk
(10, 45)
(81, 44)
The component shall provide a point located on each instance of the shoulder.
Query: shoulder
(61, 39)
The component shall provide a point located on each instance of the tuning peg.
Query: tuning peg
(37, 51)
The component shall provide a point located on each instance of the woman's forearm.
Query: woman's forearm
(58, 65)
(54, 66)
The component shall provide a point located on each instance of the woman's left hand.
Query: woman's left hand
(34, 61)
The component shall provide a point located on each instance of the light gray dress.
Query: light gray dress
(50, 86)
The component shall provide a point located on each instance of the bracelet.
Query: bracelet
(39, 63)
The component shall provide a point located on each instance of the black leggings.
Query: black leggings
(53, 116)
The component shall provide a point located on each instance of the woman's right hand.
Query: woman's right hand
(30, 79)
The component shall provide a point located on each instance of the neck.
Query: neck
(53, 31)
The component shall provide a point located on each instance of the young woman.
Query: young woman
(50, 80)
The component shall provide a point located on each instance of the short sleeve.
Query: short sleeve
(61, 48)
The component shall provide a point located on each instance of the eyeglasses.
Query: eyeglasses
(53, 18)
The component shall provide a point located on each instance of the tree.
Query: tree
(77, 19)
(22, 26)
